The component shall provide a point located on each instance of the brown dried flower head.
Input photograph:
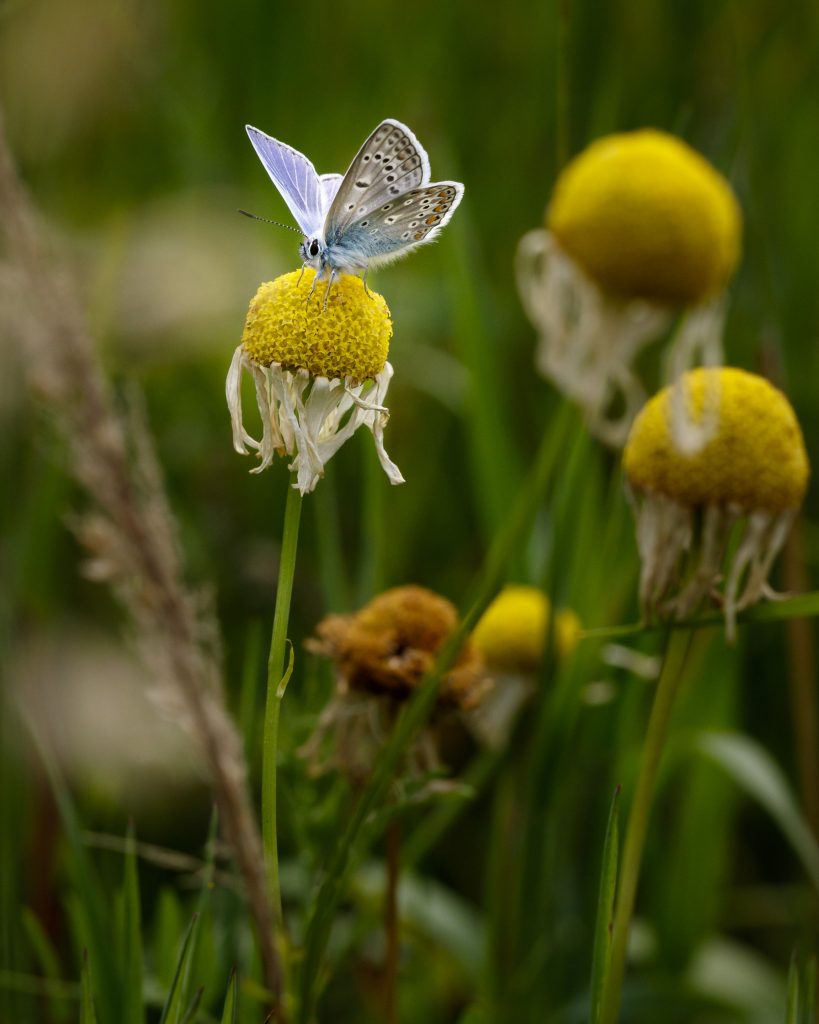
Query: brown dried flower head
(392, 642)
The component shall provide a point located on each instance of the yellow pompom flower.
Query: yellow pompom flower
(511, 633)
(320, 370)
(511, 637)
(381, 655)
(639, 226)
(751, 473)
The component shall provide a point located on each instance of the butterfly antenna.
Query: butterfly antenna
(266, 220)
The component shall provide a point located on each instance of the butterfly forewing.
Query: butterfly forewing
(295, 178)
(390, 163)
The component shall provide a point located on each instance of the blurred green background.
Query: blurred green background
(127, 119)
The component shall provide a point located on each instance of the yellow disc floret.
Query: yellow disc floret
(647, 217)
(755, 459)
(511, 633)
(350, 338)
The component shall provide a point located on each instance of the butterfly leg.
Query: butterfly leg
(367, 291)
(301, 275)
(329, 286)
(312, 288)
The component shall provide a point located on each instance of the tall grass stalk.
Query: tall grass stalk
(677, 646)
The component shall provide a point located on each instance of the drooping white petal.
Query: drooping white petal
(308, 418)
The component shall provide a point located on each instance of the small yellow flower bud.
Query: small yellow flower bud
(647, 217)
(511, 633)
(348, 339)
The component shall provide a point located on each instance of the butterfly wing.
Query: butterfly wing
(296, 179)
(329, 186)
(391, 162)
(397, 226)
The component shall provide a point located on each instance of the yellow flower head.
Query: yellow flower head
(750, 472)
(318, 359)
(350, 338)
(647, 217)
(511, 633)
(754, 459)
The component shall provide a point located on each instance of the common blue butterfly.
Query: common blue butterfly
(378, 211)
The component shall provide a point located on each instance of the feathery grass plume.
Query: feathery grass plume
(129, 531)
(639, 226)
(320, 370)
(511, 638)
(381, 654)
(751, 475)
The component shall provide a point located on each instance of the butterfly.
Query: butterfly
(381, 209)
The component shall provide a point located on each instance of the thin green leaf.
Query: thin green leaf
(792, 1007)
(190, 1013)
(809, 990)
(230, 1014)
(802, 606)
(87, 1014)
(133, 1010)
(89, 891)
(605, 908)
(47, 960)
(754, 770)
(172, 1011)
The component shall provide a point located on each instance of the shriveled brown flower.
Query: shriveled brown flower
(392, 642)
(382, 653)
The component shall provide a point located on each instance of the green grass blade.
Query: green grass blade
(792, 1006)
(605, 908)
(47, 960)
(190, 1013)
(173, 1009)
(230, 1014)
(133, 1011)
(87, 1014)
(89, 892)
(754, 770)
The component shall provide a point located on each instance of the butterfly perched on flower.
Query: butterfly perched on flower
(383, 207)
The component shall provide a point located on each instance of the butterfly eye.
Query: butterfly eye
(314, 248)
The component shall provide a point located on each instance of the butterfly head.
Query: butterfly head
(310, 251)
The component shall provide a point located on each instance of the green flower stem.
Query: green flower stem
(275, 691)
(673, 664)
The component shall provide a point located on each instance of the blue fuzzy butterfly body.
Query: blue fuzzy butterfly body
(381, 209)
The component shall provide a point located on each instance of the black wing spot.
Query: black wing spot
(366, 157)
(390, 177)
(406, 234)
(377, 156)
(387, 206)
(351, 206)
(364, 223)
(362, 184)
(388, 220)
(395, 190)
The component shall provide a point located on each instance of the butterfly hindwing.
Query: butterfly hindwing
(398, 225)
(390, 163)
